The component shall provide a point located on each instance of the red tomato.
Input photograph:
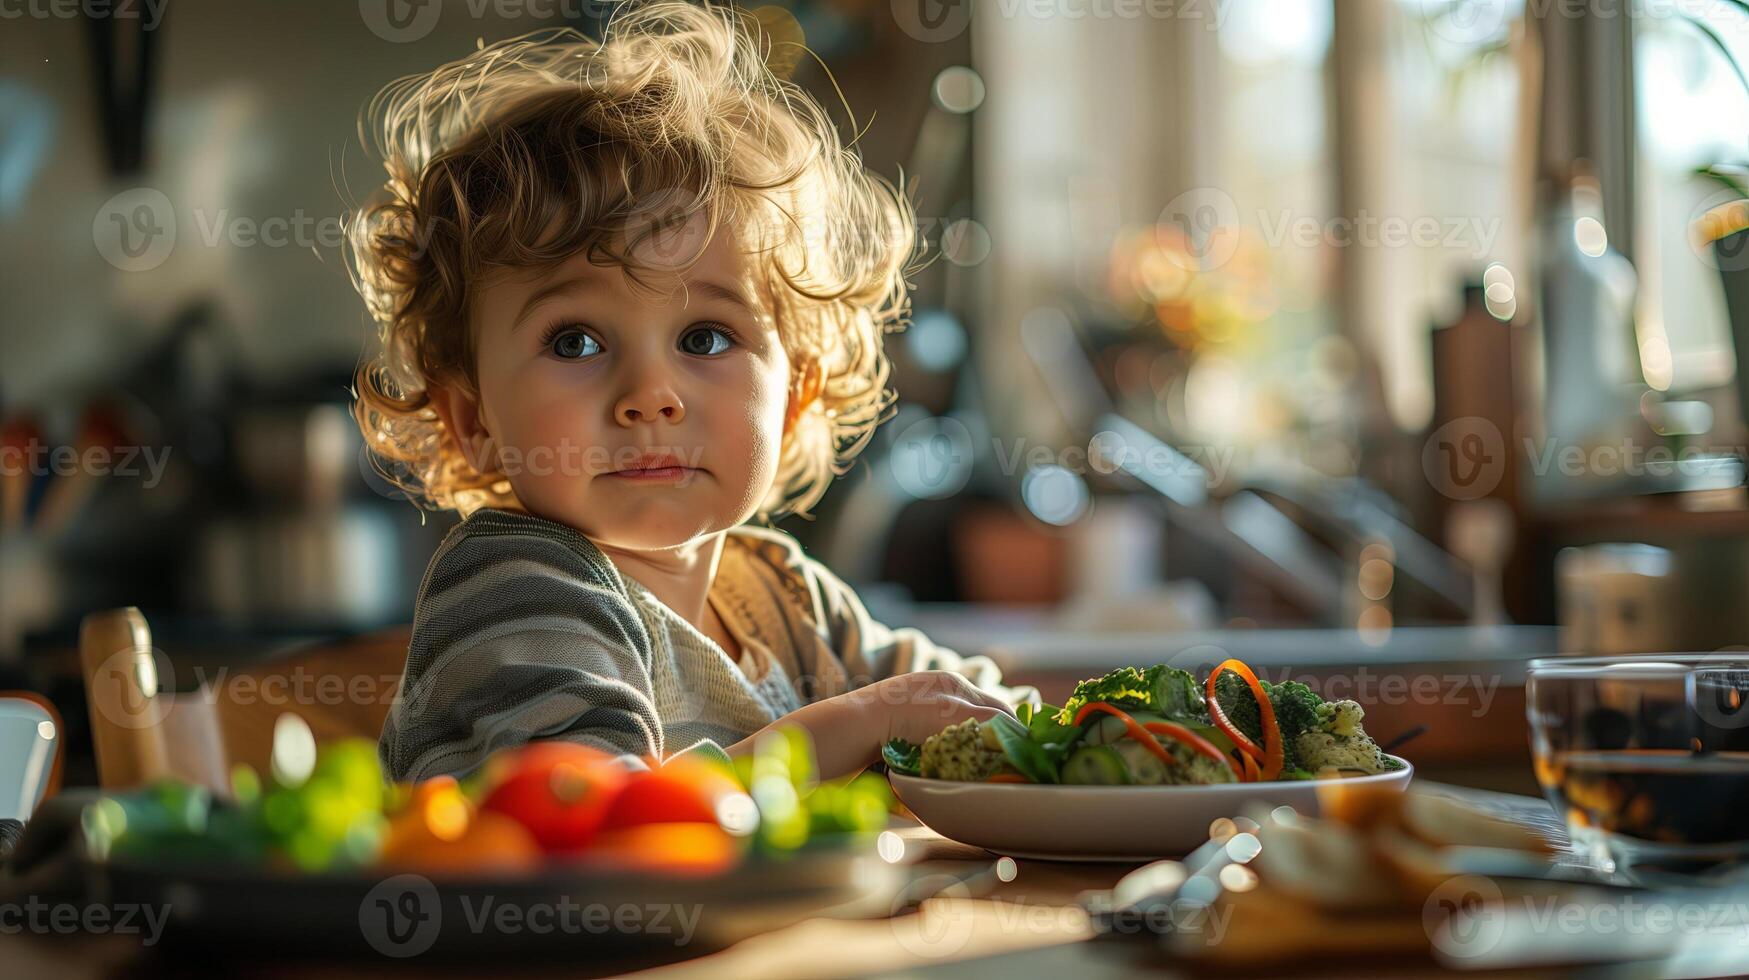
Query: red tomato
(688, 849)
(678, 792)
(560, 791)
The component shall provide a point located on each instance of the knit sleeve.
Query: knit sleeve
(517, 636)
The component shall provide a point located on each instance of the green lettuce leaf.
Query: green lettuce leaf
(902, 757)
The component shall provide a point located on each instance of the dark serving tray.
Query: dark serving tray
(568, 911)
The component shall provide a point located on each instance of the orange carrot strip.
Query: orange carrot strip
(1218, 715)
(1007, 777)
(1135, 730)
(1274, 755)
(1252, 773)
(1197, 743)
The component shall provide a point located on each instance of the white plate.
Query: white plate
(1101, 823)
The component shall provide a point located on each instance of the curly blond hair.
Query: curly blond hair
(533, 150)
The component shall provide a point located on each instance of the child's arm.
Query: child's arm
(849, 730)
(516, 639)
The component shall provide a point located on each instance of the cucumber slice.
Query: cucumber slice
(1096, 765)
(1109, 730)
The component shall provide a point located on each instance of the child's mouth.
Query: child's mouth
(655, 474)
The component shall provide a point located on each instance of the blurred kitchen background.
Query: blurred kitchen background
(1372, 338)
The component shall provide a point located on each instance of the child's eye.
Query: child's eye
(571, 344)
(691, 343)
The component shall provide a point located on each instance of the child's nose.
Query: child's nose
(648, 401)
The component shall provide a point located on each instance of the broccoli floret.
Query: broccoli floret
(1320, 750)
(1298, 709)
(1340, 718)
(967, 752)
(1166, 691)
(1341, 742)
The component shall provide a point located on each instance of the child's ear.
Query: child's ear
(460, 412)
(804, 389)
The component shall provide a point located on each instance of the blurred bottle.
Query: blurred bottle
(1588, 292)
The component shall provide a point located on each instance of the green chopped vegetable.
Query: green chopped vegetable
(1322, 750)
(967, 752)
(1096, 765)
(1028, 757)
(1043, 744)
(902, 757)
(1042, 722)
(1298, 710)
(1167, 691)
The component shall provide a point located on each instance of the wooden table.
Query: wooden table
(1028, 925)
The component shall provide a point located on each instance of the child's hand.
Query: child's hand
(849, 730)
(915, 706)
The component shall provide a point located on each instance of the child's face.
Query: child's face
(580, 376)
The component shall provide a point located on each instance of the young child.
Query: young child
(631, 295)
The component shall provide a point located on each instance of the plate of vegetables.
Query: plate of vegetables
(1137, 764)
(320, 855)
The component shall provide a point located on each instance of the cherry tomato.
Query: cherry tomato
(682, 791)
(560, 791)
(689, 849)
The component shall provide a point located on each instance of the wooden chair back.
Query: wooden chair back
(143, 731)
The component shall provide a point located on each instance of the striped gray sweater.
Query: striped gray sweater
(523, 629)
